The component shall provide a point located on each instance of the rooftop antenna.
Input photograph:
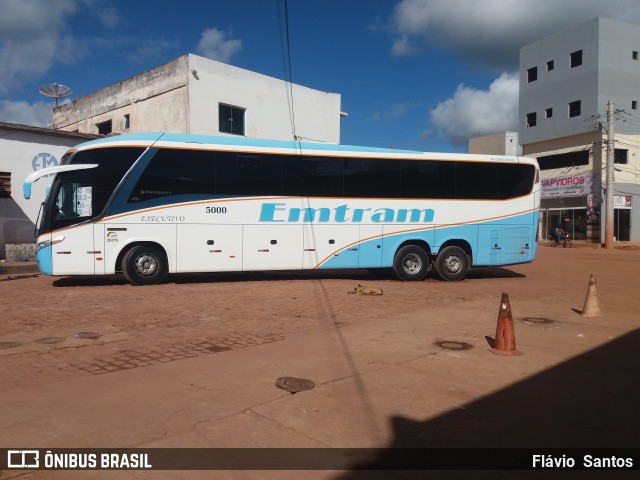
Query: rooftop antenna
(55, 90)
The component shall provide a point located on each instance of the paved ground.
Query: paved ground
(193, 362)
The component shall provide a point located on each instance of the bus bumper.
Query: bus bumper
(44, 257)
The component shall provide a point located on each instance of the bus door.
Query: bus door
(331, 246)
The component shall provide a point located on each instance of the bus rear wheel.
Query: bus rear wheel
(144, 265)
(452, 264)
(411, 263)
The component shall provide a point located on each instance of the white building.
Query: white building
(192, 94)
(24, 149)
(566, 82)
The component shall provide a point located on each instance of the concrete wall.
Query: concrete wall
(556, 88)
(618, 72)
(265, 99)
(155, 100)
(503, 143)
(608, 72)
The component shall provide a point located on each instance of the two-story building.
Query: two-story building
(193, 94)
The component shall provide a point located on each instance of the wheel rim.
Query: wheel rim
(146, 264)
(453, 264)
(412, 264)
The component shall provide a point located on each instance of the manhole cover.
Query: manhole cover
(451, 345)
(294, 385)
(538, 320)
(9, 344)
(48, 340)
(90, 335)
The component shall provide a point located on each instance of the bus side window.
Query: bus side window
(373, 178)
(248, 174)
(175, 172)
(516, 180)
(428, 179)
(477, 180)
(312, 176)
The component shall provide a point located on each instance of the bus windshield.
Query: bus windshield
(82, 195)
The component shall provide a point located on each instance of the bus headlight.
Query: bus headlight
(48, 243)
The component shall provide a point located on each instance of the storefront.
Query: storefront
(573, 202)
(622, 218)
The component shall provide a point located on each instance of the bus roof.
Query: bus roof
(231, 143)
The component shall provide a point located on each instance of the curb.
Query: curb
(16, 268)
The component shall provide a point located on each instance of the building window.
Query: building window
(620, 156)
(548, 112)
(104, 128)
(5, 184)
(532, 74)
(575, 109)
(634, 104)
(231, 119)
(563, 160)
(531, 119)
(576, 59)
(126, 122)
(634, 55)
(550, 65)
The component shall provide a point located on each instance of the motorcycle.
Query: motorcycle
(565, 240)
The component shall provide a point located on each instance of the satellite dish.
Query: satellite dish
(55, 90)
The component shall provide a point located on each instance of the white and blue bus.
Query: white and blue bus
(151, 204)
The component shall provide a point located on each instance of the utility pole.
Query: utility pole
(608, 229)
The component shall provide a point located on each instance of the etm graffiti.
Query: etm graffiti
(43, 160)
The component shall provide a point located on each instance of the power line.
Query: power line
(285, 48)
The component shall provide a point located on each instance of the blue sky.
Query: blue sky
(420, 74)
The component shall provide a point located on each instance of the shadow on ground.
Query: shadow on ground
(588, 402)
(231, 277)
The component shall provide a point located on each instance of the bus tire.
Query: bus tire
(144, 265)
(452, 264)
(411, 263)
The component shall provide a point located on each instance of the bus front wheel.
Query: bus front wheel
(411, 263)
(452, 264)
(144, 265)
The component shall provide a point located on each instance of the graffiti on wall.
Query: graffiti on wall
(43, 160)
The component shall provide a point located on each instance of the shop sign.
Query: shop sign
(573, 186)
(622, 201)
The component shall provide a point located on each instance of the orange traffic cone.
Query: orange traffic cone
(505, 341)
(591, 307)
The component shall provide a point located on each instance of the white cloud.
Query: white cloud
(32, 38)
(216, 45)
(471, 111)
(492, 32)
(35, 35)
(37, 114)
